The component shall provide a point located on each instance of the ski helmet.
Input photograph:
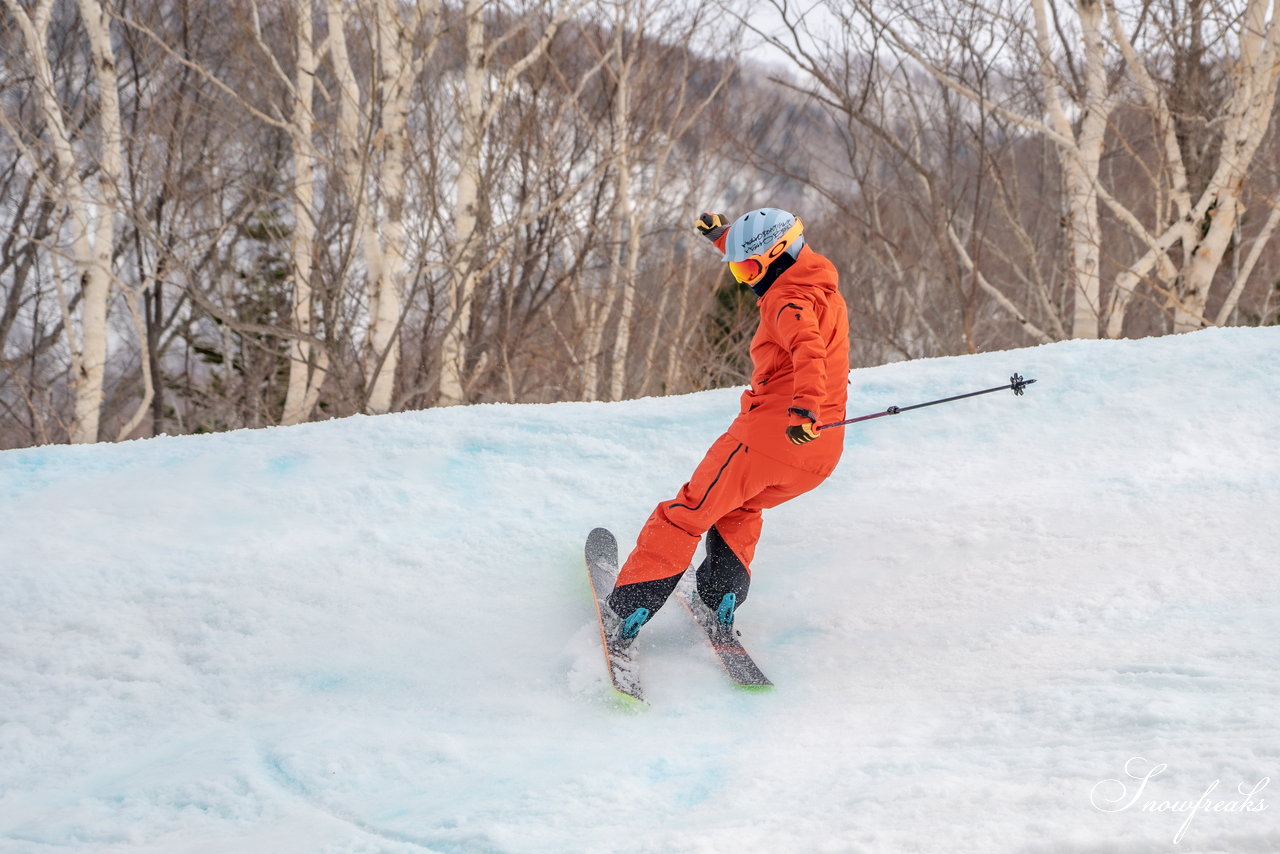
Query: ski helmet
(756, 239)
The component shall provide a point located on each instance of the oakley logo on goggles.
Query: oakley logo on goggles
(752, 268)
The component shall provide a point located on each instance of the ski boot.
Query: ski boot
(721, 618)
(620, 631)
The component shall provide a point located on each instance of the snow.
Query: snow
(376, 634)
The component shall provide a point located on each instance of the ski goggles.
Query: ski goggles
(751, 269)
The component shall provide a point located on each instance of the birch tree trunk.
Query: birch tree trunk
(372, 167)
(305, 373)
(1204, 226)
(1081, 159)
(91, 210)
(1254, 76)
(465, 211)
(1128, 280)
(98, 272)
(354, 164)
(395, 82)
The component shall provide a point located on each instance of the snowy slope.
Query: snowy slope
(375, 634)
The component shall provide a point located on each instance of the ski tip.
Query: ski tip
(598, 534)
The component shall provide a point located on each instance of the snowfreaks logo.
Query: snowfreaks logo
(757, 242)
(1114, 796)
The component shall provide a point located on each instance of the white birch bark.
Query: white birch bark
(1174, 171)
(1204, 226)
(98, 272)
(305, 376)
(396, 74)
(372, 167)
(465, 214)
(353, 166)
(1254, 76)
(1080, 166)
(91, 209)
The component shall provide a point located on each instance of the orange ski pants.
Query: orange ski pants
(728, 490)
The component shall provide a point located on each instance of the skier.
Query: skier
(772, 451)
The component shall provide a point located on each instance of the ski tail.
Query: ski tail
(725, 641)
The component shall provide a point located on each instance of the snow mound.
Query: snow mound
(1046, 623)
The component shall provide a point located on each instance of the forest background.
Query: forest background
(259, 212)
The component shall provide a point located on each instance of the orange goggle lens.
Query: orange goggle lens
(746, 271)
(751, 270)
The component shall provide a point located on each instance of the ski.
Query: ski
(602, 569)
(727, 644)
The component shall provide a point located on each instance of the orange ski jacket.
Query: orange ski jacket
(799, 366)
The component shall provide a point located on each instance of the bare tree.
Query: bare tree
(268, 260)
(308, 358)
(1205, 225)
(373, 131)
(485, 86)
(1088, 60)
(91, 202)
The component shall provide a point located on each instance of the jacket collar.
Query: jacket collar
(776, 269)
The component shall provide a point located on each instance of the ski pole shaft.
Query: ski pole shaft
(1017, 383)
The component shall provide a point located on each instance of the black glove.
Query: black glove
(801, 433)
(711, 225)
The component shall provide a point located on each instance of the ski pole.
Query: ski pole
(1017, 383)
